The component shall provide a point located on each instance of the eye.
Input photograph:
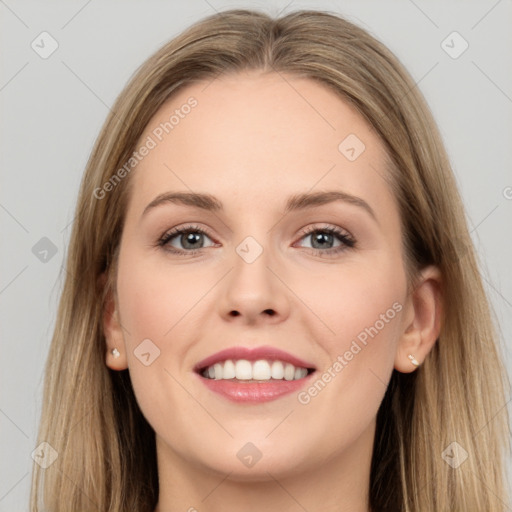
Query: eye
(185, 240)
(328, 240)
(189, 240)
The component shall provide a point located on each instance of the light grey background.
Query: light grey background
(52, 110)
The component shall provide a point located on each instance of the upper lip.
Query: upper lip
(253, 354)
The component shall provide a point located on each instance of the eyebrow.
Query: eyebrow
(296, 202)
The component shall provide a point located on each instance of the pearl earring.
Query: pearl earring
(115, 353)
(413, 360)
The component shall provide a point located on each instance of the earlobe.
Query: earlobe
(423, 325)
(116, 360)
(115, 346)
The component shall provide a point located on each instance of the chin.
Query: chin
(255, 460)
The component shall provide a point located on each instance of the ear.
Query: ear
(113, 331)
(422, 320)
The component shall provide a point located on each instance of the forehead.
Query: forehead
(256, 137)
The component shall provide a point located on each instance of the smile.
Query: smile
(261, 370)
(253, 375)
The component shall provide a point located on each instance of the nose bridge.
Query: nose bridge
(251, 288)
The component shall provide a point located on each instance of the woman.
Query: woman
(272, 299)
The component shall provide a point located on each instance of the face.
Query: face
(297, 248)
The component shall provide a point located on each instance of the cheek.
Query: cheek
(343, 302)
(152, 299)
(354, 299)
(362, 306)
(152, 304)
(364, 310)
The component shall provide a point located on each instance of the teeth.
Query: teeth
(298, 373)
(262, 370)
(217, 370)
(229, 370)
(243, 370)
(289, 372)
(277, 370)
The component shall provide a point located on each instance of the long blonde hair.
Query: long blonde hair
(106, 449)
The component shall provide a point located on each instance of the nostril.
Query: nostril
(270, 312)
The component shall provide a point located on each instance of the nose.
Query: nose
(254, 293)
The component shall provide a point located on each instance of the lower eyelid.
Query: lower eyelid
(343, 237)
(164, 241)
(174, 236)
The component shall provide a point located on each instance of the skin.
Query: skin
(255, 140)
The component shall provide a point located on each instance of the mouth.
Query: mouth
(262, 370)
(253, 375)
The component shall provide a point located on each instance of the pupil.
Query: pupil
(322, 238)
(190, 239)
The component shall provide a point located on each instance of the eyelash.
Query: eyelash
(347, 241)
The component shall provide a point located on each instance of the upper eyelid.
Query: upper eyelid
(308, 230)
(311, 229)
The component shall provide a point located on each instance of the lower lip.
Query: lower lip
(254, 392)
